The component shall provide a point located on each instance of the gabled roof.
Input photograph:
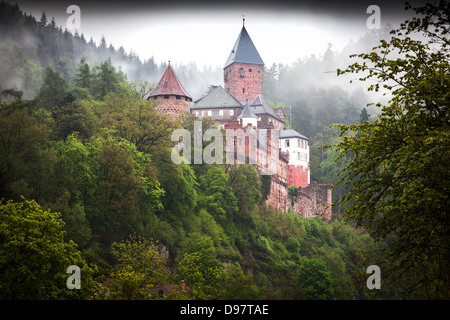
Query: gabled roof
(247, 113)
(244, 51)
(260, 106)
(217, 97)
(170, 85)
(290, 133)
(277, 110)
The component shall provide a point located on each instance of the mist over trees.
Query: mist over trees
(28, 46)
(86, 176)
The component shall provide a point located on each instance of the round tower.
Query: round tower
(170, 96)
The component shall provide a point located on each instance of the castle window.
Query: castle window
(231, 112)
(287, 143)
(215, 113)
(249, 70)
(241, 72)
(178, 97)
(166, 97)
(200, 113)
(243, 90)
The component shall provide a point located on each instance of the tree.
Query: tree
(246, 185)
(35, 257)
(399, 170)
(140, 266)
(313, 280)
(83, 77)
(72, 117)
(106, 79)
(364, 116)
(43, 22)
(118, 191)
(235, 285)
(25, 164)
(53, 91)
(216, 195)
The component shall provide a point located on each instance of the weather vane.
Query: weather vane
(243, 20)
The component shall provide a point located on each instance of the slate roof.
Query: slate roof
(244, 51)
(260, 106)
(247, 113)
(218, 98)
(170, 85)
(290, 133)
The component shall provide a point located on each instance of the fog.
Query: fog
(197, 37)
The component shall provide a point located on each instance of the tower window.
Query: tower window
(243, 90)
(178, 97)
(166, 97)
(241, 72)
(249, 70)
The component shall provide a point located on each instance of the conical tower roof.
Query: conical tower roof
(244, 51)
(170, 85)
(247, 113)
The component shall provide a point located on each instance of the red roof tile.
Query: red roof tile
(170, 85)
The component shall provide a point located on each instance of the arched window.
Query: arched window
(241, 72)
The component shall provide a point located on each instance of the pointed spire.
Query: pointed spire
(170, 85)
(247, 113)
(244, 51)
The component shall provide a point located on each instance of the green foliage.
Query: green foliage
(53, 92)
(140, 266)
(24, 161)
(72, 117)
(313, 280)
(106, 79)
(399, 174)
(235, 285)
(34, 255)
(89, 146)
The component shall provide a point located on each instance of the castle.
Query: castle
(240, 107)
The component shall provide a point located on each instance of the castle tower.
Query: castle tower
(244, 70)
(170, 96)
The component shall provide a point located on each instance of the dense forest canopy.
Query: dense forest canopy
(86, 176)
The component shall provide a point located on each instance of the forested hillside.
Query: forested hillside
(86, 179)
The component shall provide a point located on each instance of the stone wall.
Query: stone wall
(245, 85)
(172, 106)
(314, 200)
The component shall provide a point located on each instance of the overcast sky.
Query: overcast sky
(204, 31)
